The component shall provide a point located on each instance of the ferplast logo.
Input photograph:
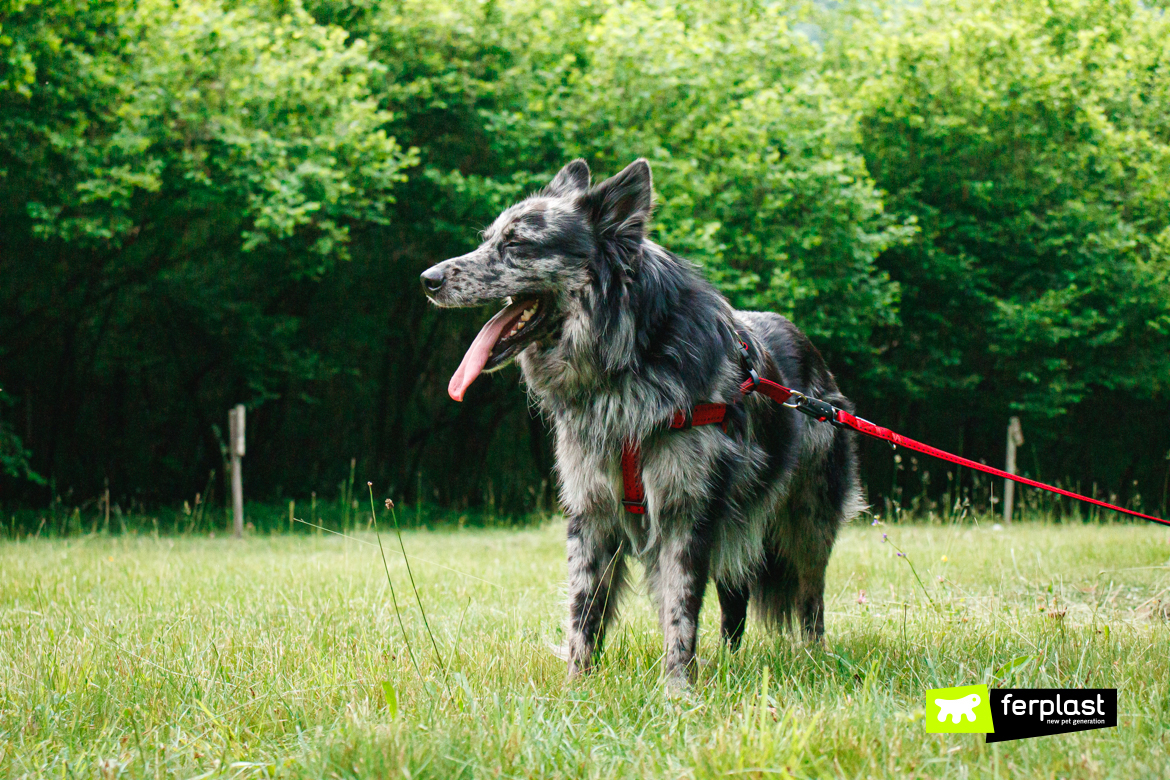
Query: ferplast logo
(962, 710)
(1019, 713)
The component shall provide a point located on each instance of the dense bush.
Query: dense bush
(206, 202)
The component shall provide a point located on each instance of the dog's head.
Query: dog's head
(539, 256)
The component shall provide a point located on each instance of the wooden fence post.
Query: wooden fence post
(1015, 437)
(236, 428)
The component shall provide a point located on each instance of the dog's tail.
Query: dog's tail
(773, 593)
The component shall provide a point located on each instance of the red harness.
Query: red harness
(635, 494)
(708, 414)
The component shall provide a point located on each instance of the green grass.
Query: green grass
(138, 656)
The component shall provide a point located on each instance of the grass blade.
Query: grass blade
(393, 596)
(409, 573)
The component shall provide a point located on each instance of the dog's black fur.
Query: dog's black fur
(624, 334)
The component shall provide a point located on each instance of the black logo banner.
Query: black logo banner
(1022, 713)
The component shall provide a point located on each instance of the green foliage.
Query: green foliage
(14, 456)
(19, 41)
(1030, 141)
(172, 117)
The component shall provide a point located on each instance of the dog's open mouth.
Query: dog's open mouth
(513, 328)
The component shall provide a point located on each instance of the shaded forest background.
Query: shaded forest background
(203, 203)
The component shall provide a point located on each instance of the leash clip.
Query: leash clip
(819, 410)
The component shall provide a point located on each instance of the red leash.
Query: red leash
(823, 412)
(829, 413)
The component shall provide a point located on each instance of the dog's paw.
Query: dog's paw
(675, 688)
(560, 651)
(681, 691)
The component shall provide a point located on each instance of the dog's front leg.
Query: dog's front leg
(596, 573)
(679, 577)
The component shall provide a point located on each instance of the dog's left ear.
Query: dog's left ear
(571, 179)
(620, 206)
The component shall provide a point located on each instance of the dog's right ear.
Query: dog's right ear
(572, 179)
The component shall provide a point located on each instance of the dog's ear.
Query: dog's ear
(572, 179)
(620, 206)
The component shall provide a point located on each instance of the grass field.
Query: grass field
(282, 656)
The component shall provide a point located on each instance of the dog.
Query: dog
(613, 334)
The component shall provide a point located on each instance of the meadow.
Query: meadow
(141, 655)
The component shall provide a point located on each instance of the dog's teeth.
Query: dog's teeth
(525, 316)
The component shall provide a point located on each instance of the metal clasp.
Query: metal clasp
(821, 411)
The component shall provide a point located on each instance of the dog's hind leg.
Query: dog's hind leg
(808, 559)
(810, 599)
(596, 574)
(733, 603)
(828, 500)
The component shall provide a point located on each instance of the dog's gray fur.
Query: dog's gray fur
(630, 333)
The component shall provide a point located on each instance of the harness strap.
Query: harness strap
(634, 499)
(702, 414)
(635, 496)
(777, 392)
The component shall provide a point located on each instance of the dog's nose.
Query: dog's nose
(433, 279)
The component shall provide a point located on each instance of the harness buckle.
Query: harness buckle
(746, 358)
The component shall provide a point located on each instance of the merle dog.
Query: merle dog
(613, 333)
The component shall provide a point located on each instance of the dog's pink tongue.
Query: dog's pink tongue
(480, 349)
